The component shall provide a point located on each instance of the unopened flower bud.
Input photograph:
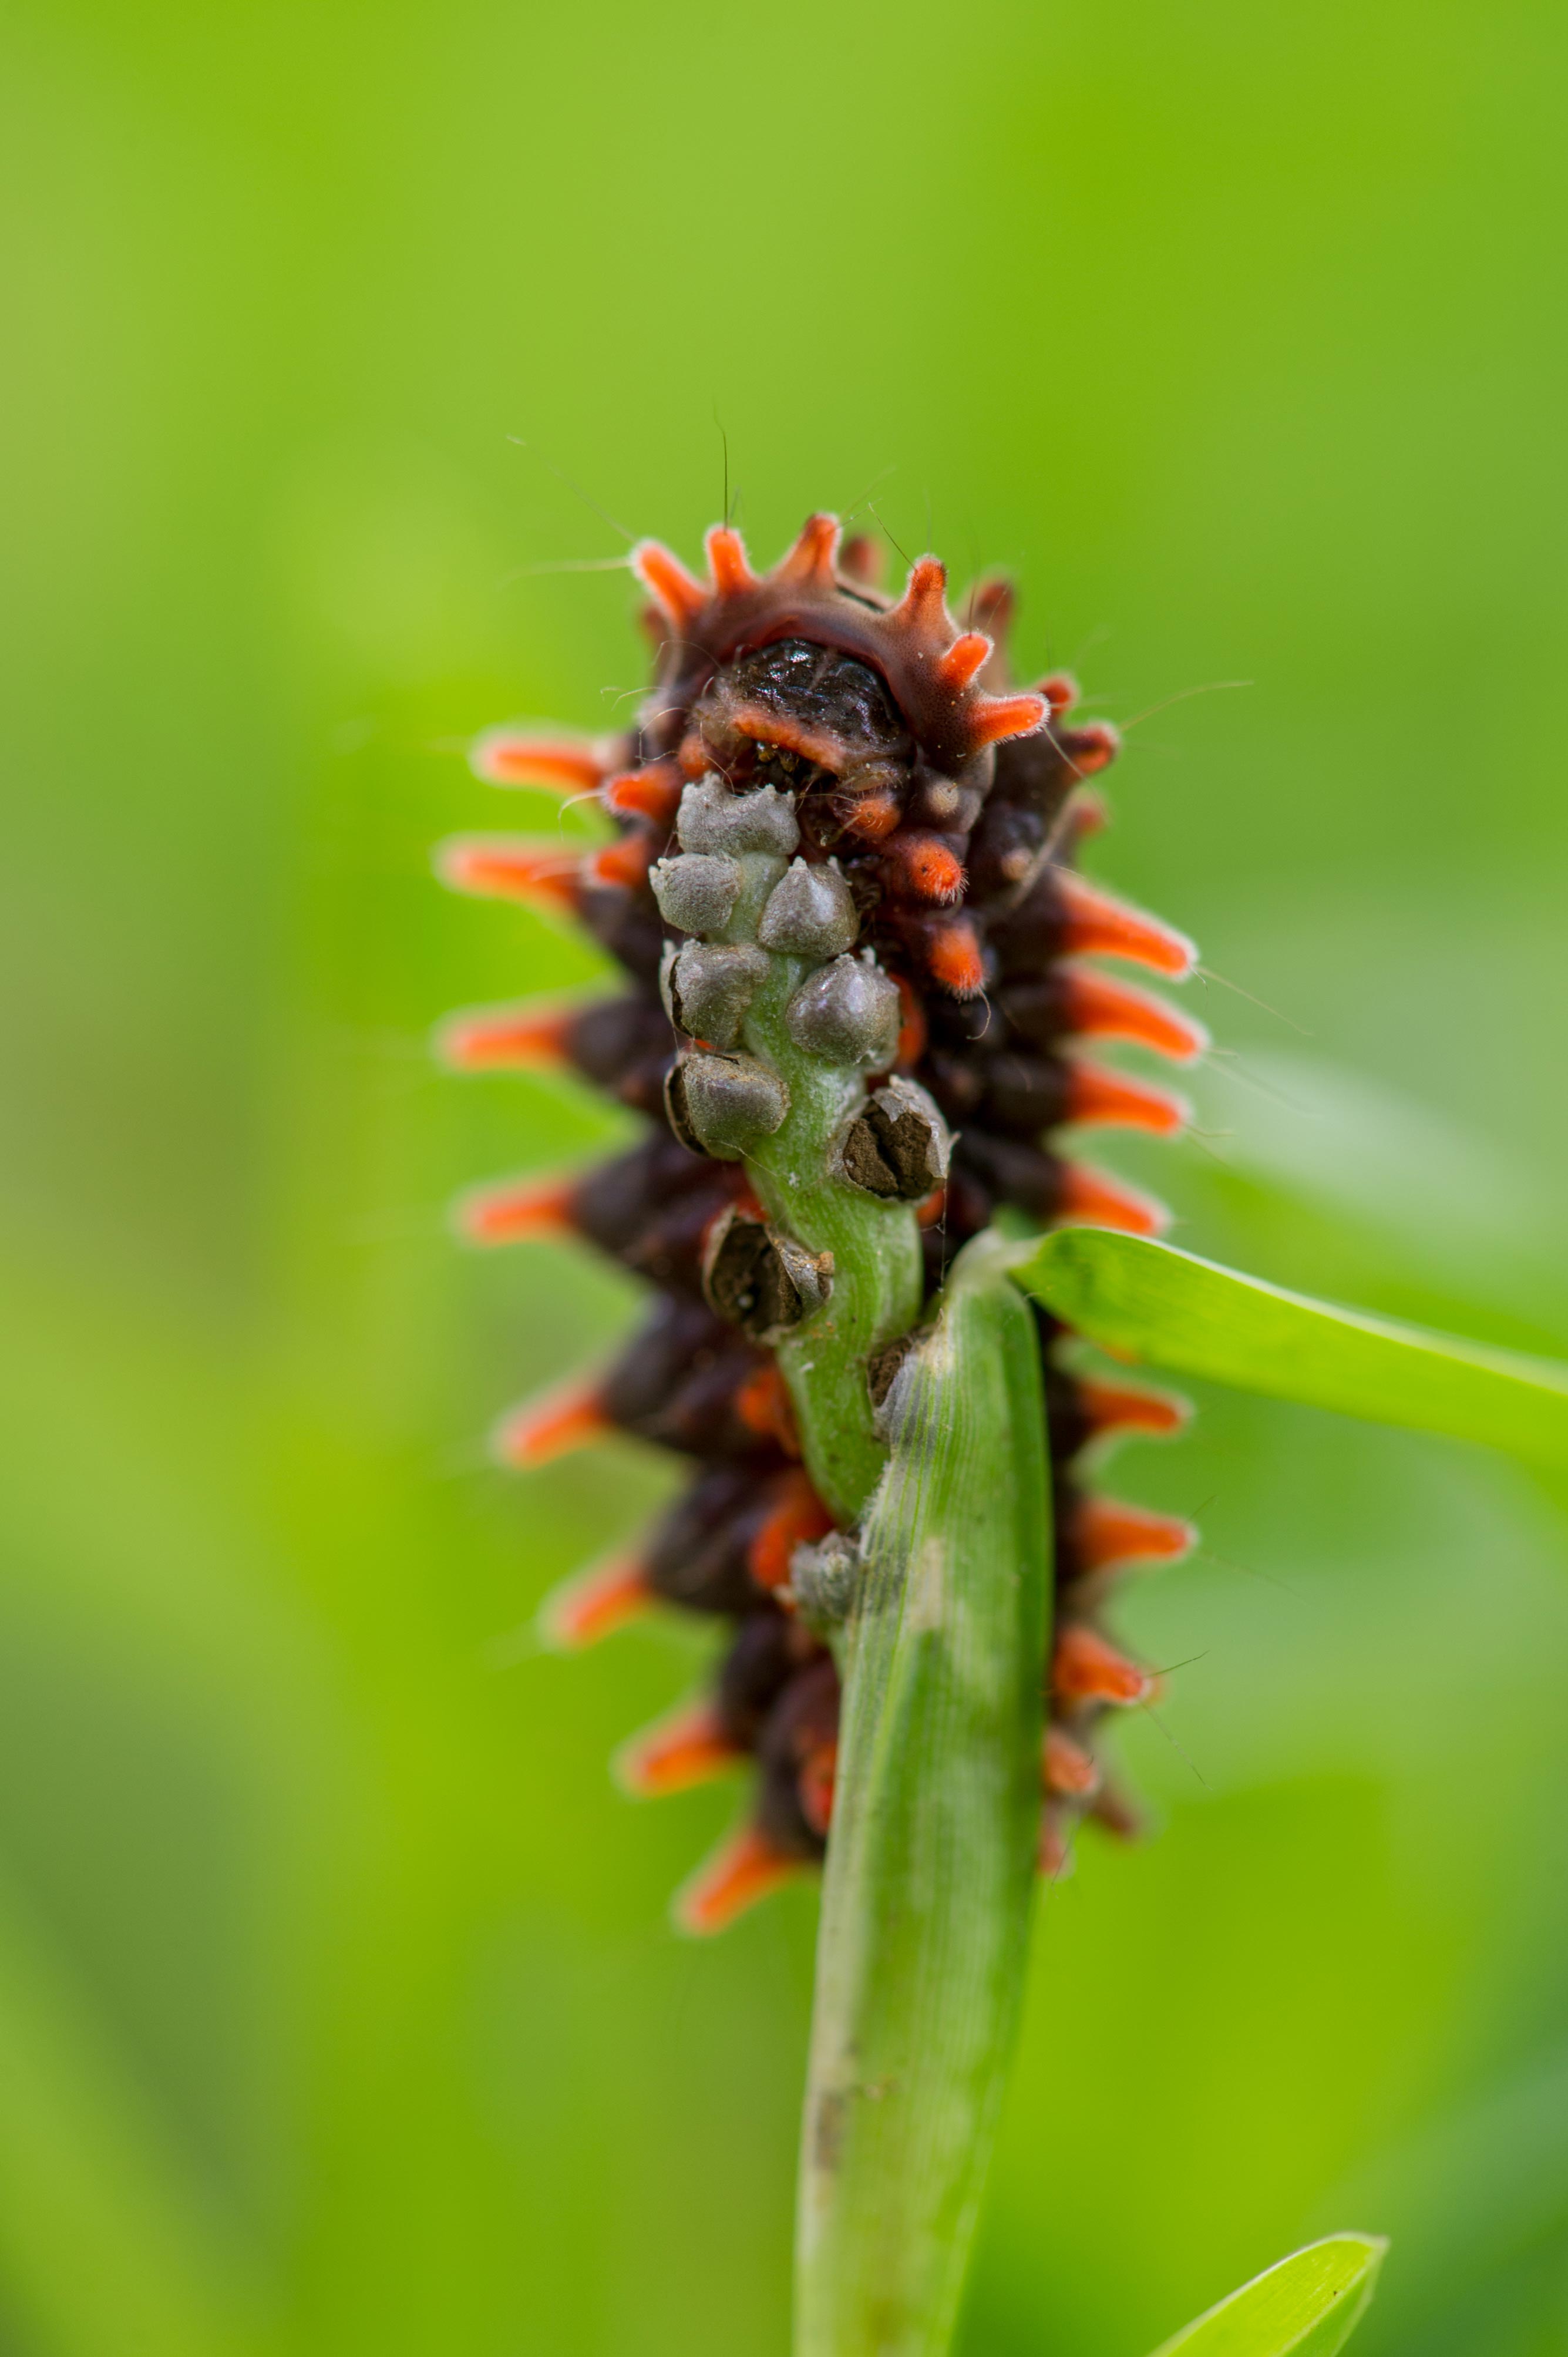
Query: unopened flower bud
(810, 912)
(847, 1012)
(711, 818)
(708, 985)
(760, 1279)
(899, 1147)
(717, 1104)
(695, 892)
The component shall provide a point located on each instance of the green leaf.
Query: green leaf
(1190, 1315)
(1307, 2306)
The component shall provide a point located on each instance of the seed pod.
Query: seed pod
(695, 892)
(848, 1011)
(717, 1104)
(809, 912)
(823, 1578)
(899, 1147)
(712, 819)
(762, 1280)
(708, 985)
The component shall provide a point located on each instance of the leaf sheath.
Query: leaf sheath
(930, 1871)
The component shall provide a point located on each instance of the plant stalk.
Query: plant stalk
(875, 1248)
(931, 1868)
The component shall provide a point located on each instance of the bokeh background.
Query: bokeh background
(337, 2008)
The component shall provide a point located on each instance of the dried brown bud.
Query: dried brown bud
(899, 1147)
(762, 1280)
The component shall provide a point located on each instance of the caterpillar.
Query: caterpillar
(834, 804)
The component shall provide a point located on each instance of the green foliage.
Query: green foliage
(345, 2000)
(1307, 2306)
(1187, 1314)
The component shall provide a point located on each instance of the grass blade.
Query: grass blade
(930, 1872)
(1191, 1315)
(1307, 2306)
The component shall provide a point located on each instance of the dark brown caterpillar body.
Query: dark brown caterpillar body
(952, 808)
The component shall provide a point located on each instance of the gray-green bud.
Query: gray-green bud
(823, 1580)
(717, 1104)
(847, 1012)
(707, 986)
(899, 1147)
(713, 819)
(810, 912)
(696, 892)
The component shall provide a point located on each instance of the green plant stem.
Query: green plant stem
(876, 1246)
(876, 1273)
(930, 1870)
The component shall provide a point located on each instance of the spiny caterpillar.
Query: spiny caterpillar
(843, 895)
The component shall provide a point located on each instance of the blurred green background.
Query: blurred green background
(338, 2009)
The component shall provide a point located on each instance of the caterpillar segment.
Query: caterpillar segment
(915, 821)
